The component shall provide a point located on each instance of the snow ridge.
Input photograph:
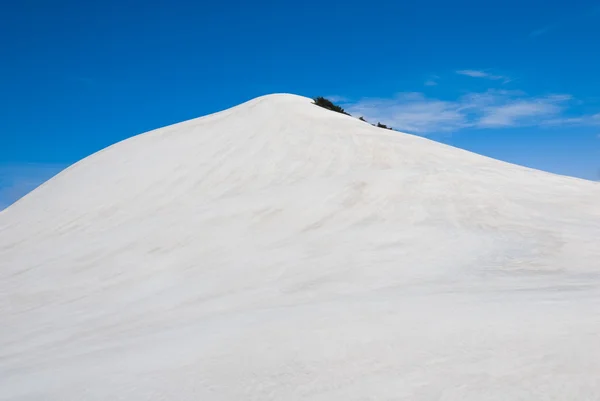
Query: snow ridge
(278, 250)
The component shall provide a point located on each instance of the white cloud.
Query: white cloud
(337, 99)
(414, 112)
(585, 120)
(411, 112)
(566, 21)
(17, 180)
(540, 32)
(483, 74)
(473, 73)
(432, 80)
(526, 111)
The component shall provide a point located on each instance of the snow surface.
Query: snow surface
(281, 251)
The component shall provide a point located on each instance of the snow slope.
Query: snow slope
(280, 251)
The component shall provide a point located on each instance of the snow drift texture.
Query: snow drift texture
(281, 251)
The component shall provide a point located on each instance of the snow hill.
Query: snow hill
(281, 251)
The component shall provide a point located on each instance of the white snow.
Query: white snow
(281, 251)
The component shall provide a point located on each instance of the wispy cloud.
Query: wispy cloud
(484, 74)
(432, 80)
(414, 112)
(522, 112)
(541, 31)
(337, 98)
(566, 21)
(586, 120)
(17, 180)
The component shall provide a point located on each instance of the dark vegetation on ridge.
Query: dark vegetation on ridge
(329, 105)
(380, 125)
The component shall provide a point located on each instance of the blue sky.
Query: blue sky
(515, 80)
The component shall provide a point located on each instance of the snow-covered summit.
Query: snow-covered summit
(278, 250)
